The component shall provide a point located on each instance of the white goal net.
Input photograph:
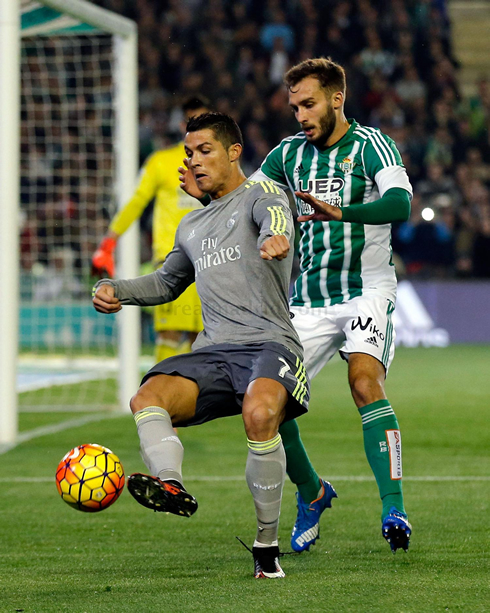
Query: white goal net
(78, 163)
(67, 174)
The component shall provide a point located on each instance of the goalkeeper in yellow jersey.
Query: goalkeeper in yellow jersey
(176, 323)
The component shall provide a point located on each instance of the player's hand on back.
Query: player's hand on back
(187, 181)
(104, 300)
(323, 210)
(274, 247)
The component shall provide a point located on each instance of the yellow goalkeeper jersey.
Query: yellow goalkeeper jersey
(159, 179)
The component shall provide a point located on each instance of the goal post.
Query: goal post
(65, 21)
(9, 207)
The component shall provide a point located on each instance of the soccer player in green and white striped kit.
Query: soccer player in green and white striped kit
(350, 185)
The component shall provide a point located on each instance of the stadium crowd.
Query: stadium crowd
(402, 78)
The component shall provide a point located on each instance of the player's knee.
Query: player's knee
(138, 402)
(145, 397)
(366, 389)
(261, 420)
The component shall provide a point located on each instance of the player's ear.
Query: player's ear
(234, 152)
(338, 100)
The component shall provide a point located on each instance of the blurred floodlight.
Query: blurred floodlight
(428, 214)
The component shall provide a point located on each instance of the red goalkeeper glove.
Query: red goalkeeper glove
(103, 258)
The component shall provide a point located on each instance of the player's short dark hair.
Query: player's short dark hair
(194, 103)
(330, 75)
(224, 127)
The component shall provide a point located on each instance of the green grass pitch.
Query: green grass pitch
(128, 559)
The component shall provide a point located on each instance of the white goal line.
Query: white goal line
(216, 478)
(29, 435)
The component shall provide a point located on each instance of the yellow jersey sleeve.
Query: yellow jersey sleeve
(145, 191)
(171, 202)
(159, 180)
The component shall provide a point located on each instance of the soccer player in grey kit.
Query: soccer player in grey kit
(248, 359)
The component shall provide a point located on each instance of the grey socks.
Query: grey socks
(163, 453)
(265, 473)
(161, 449)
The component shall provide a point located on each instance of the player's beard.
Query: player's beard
(327, 126)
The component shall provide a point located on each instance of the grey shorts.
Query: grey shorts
(223, 373)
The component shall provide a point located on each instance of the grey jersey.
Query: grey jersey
(244, 298)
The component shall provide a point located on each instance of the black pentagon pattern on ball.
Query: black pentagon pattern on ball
(89, 481)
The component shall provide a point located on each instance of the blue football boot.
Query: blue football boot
(307, 527)
(396, 529)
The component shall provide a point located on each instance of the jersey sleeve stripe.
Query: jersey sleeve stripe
(278, 220)
(369, 135)
(268, 186)
(274, 219)
(284, 222)
(379, 137)
(375, 135)
(362, 158)
(362, 132)
(358, 132)
(381, 157)
(282, 217)
(273, 187)
(385, 147)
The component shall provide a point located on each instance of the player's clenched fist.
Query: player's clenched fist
(275, 247)
(105, 301)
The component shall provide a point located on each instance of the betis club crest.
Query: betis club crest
(346, 165)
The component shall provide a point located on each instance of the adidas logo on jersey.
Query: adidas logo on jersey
(191, 234)
(299, 168)
(372, 341)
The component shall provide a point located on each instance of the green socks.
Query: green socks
(298, 465)
(382, 443)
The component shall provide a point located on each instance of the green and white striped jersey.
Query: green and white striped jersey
(339, 261)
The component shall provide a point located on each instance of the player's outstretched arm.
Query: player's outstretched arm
(323, 210)
(104, 299)
(393, 206)
(164, 285)
(275, 247)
